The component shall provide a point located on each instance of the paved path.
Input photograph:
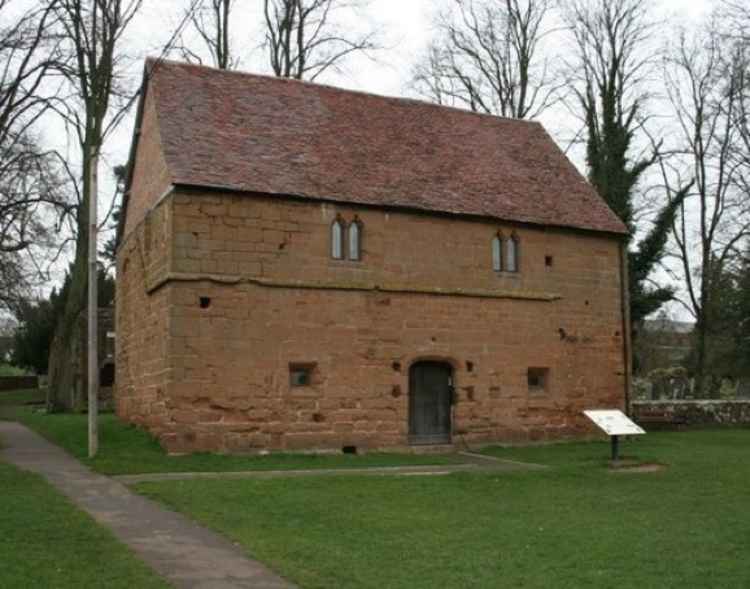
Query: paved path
(186, 554)
(474, 463)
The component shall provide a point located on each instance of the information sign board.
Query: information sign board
(614, 422)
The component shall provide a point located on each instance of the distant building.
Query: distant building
(662, 343)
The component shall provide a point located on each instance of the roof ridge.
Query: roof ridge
(151, 61)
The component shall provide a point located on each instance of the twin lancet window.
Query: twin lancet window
(346, 240)
(346, 244)
(505, 253)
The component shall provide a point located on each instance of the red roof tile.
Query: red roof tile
(269, 135)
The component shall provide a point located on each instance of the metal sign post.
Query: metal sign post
(615, 448)
(614, 423)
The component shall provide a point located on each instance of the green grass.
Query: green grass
(575, 525)
(8, 370)
(46, 542)
(125, 449)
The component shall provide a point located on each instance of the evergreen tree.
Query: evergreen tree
(36, 323)
(610, 36)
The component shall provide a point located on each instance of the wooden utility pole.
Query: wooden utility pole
(93, 308)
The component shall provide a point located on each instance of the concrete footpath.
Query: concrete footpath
(183, 552)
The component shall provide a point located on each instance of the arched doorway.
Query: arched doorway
(430, 399)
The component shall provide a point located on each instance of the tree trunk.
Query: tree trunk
(699, 391)
(67, 343)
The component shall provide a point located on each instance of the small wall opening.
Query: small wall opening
(548, 261)
(537, 379)
(470, 367)
(349, 450)
(301, 375)
(205, 302)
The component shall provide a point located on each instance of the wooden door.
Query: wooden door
(430, 397)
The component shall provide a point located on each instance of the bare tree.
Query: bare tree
(304, 39)
(707, 83)
(28, 188)
(91, 62)
(612, 64)
(735, 15)
(487, 57)
(211, 20)
(30, 197)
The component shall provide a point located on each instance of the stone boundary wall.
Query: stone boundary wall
(12, 383)
(694, 412)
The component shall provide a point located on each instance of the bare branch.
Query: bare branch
(304, 40)
(487, 57)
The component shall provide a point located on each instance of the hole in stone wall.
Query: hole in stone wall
(538, 379)
(301, 375)
(470, 367)
(349, 449)
(548, 261)
(396, 366)
(318, 417)
(205, 302)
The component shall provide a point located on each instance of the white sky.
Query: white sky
(406, 27)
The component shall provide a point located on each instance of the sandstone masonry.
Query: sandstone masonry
(222, 294)
(218, 294)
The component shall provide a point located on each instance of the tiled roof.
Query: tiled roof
(283, 137)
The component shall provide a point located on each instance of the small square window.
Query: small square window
(538, 379)
(548, 261)
(300, 375)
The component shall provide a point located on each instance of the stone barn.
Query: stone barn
(305, 267)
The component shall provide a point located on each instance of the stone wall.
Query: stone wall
(151, 177)
(142, 346)
(238, 287)
(708, 412)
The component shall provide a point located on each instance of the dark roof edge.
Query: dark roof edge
(585, 180)
(398, 208)
(147, 68)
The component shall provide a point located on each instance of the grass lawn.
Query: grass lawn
(125, 449)
(574, 525)
(46, 542)
(8, 370)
